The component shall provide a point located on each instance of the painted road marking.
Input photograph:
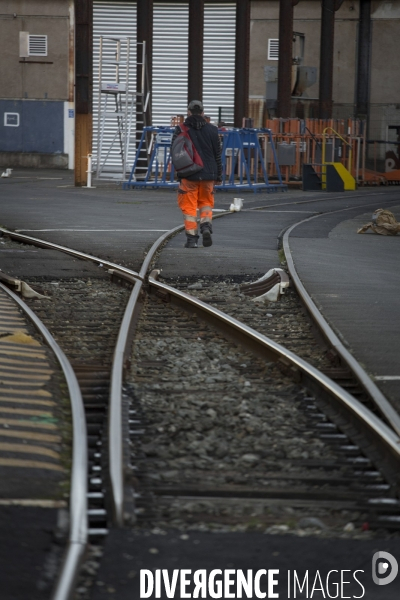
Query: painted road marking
(33, 384)
(29, 464)
(35, 364)
(21, 393)
(27, 401)
(29, 449)
(30, 435)
(22, 369)
(7, 343)
(26, 411)
(36, 503)
(27, 354)
(25, 407)
(388, 377)
(97, 230)
(34, 424)
(17, 376)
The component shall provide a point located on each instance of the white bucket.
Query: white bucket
(237, 205)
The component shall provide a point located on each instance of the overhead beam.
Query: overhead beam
(242, 56)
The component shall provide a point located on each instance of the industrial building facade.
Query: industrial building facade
(38, 70)
(37, 83)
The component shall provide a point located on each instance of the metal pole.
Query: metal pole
(144, 33)
(100, 103)
(242, 53)
(89, 172)
(285, 58)
(83, 86)
(196, 43)
(326, 59)
(143, 67)
(364, 59)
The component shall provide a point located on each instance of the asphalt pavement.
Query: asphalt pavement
(354, 279)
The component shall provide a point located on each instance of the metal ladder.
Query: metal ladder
(122, 109)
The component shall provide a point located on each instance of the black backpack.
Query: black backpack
(185, 158)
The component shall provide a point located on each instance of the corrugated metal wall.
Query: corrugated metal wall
(170, 60)
(170, 57)
(219, 60)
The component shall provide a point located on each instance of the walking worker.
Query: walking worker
(196, 192)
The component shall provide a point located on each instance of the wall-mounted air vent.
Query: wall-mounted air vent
(37, 45)
(32, 44)
(273, 49)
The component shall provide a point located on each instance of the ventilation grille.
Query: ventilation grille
(273, 49)
(38, 45)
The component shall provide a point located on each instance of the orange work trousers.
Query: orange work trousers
(195, 196)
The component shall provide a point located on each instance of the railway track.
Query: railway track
(83, 317)
(226, 436)
(218, 421)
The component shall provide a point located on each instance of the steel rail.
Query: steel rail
(116, 450)
(116, 458)
(115, 408)
(76, 253)
(380, 401)
(78, 533)
(306, 373)
(116, 463)
(321, 199)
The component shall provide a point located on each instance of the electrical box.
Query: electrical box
(24, 44)
(286, 154)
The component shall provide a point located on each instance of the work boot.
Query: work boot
(206, 231)
(191, 241)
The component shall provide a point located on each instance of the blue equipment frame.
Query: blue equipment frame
(241, 144)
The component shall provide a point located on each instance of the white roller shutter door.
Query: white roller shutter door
(170, 58)
(118, 19)
(170, 61)
(219, 60)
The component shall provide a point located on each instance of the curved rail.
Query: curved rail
(115, 437)
(315, 380)
(76, 253)
(383, 405)
(115, 404)
(78, 498)
(116, 451)
(383, 435)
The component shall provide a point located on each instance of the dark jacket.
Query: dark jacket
(206, 140)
